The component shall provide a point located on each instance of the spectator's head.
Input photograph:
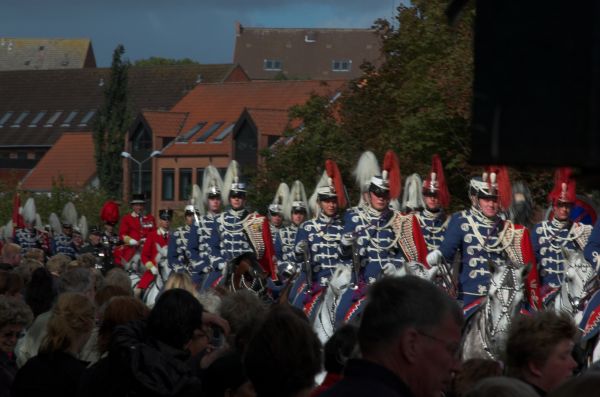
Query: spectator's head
(342, 346)
(472, 371)
(70, 325)
(11, 283)
(586, 385)
(181, 281)
(284, 354)
(118, 277)
(40, 292)
(15, 316)
(406, 323)
(58, 264)
(107, 292)
(87, 260)
(226, 377)
(35, 253)
(539, 349)
(27, 267)
(11, 254)
(241, 308)
(501, 386)
(77, 280)
(119, 310)
(175, 318)
(210, 300)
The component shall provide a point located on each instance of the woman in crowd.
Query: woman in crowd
(15, 316)
(56, 370)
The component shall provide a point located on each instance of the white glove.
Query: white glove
(301, 246)
(434, 257)
(133, 242)
(221, 266)
(154, 270)
(207, 269)
(388, 269)
(348, 239)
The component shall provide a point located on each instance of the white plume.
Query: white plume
(232, 175)
(412, 197)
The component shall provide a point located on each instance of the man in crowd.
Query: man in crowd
(408, 349)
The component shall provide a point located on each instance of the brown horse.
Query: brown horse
(244, 272)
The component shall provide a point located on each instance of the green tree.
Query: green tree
(111, 124)
(159, 61)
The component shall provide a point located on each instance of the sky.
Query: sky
(203, 30)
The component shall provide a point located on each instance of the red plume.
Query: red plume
(334, 173)
(110, 212)
(443, 193)
(392, 166)
(17, 218)
(504, 186)
(563, 175)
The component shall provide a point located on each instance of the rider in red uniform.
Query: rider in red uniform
(155, 248)
(133, 231)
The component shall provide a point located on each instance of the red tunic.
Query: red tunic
(155, 249)
(132, 227)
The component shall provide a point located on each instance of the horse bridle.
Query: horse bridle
(504, 304)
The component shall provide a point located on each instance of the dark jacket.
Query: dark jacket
(365, 378)
(139, 365)
(8, 370)
(49, 374)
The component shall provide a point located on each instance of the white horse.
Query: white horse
(341, 280)
(578, 273)
(486, 332)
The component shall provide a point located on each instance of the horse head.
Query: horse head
(578, 275)
(340, 280)
(244, 272)
(504, 298)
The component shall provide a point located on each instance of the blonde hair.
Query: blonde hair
(72, 316)
(181, 281)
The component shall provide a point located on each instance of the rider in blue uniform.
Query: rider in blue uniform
(275, 210)
(178, 254)
(377, 239)
(317, 242)
(552, 237)
(482, 236)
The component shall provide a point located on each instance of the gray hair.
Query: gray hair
(394, 304)
(501, 386)
(76, 280)
(119, 278)
(14, 311)
(242, 308)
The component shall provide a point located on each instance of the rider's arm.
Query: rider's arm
(592, 248)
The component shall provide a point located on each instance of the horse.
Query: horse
(324, 321)
(485, 333)
(578, 273)
(244, 272)
(150, 294)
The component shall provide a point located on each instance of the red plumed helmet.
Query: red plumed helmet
(392, 166)
(333, 172)
(564, 186)
(435, 183)
(499, 180)
(110, 212)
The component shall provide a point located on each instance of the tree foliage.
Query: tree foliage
(111, 124)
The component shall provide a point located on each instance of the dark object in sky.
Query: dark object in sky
(537, 67)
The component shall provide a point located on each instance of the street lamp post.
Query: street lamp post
(139, 163)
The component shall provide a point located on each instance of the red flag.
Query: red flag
(17, 218)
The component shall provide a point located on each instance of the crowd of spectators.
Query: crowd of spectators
(66, 329)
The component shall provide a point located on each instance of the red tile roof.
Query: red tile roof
(71, 157)
(165, 124)
(11, 177)
(269, 101)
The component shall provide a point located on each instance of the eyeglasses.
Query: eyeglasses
(453, 348)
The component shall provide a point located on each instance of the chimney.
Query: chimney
(239, 29)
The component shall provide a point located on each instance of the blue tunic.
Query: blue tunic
(63, 244)
(29, 238)
(178, 254)
(284, 248)
(549, 238)
(480, 241)
(322, 236)
(433, 225)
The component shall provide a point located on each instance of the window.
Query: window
(210, 131)
(142, 140)
(20, 119)
(272, 64)
(199, 176)
(185, 183)
(168, 184)
(185, 137)
(53, 119)
(5, 118)
(166, 141)
(37, 118)
(223, 134)
(86, 119)
(342, 65)
(70, 117)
